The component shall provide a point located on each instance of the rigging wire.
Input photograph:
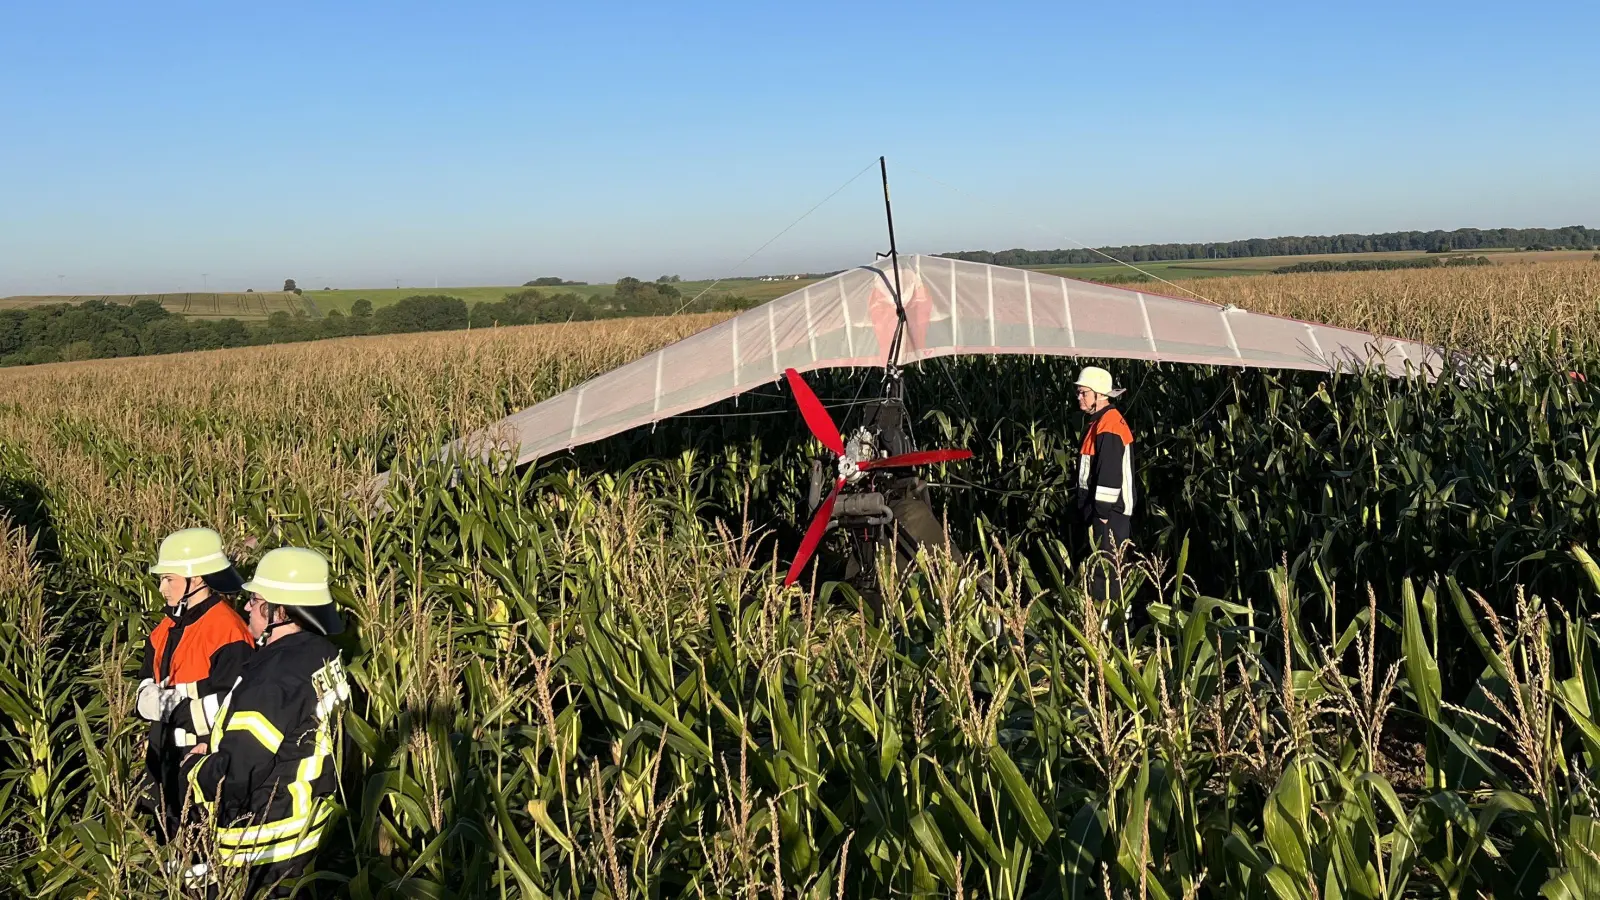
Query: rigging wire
(1081, 244)
(828, 404)
(942, 364)
(944, 367)
(754, 253)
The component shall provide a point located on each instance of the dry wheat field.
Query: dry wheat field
(1366, 665)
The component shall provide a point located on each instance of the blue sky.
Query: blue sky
(145, 145)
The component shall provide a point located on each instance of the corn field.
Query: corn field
(1354, 654)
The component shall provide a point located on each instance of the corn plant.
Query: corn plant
(1352, 655)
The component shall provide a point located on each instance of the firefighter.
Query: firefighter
(270, 769)
(1105, 478)
(190, 661)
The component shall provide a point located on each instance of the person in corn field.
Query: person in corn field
(269, 771)
(1105, 477)
(191, 659)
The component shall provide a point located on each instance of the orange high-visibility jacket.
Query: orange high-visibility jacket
(200, 652)
(1105, 466)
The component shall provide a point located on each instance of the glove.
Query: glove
(197, 874)
(171, 699)
(149, 705)
(157, 703)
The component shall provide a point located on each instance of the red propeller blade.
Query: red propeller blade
(918, 458)
(814, 531)
(815, 414)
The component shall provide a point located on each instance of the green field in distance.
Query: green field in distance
(319, 302)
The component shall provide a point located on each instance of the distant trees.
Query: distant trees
(1572, 236)
(644, 298)
(97, 330)
(1123, 278)
(425, 312)
(1378, 265)
(167, 335)
(218, 333)
(78, 350)
(531, 308)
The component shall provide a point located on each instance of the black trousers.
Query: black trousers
(265, 880)
(164, 787)
(1108, 536)
(271, 877)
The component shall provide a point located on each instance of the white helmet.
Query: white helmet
(1098, 380)
(297, 579)
(197, 553)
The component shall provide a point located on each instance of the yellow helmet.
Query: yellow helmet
(197, 553)
(1098, 380)
(297, 578)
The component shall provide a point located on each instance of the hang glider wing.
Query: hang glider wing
(952, 307)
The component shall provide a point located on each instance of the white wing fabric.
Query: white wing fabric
(952, 307)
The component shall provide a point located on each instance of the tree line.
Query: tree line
(99, 330)
(1381, 265)
(1572, 237)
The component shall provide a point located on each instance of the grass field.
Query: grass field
(1369, 667)
(319, 302)
(756, 291)
(343, 299)
(1256, 265)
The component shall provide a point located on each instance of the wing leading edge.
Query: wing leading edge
(952, 307)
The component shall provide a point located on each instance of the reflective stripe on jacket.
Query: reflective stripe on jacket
(1105, 466)
(199, 652)
(270, 772)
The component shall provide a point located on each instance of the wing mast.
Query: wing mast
(893, 362)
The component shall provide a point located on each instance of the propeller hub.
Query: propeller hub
(849, 470)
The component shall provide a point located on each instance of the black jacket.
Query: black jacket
(271, 763)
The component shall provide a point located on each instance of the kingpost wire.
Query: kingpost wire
(786, 228)
(1061, 237)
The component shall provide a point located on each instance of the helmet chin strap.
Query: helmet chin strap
(266, 633)
(183, 602)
